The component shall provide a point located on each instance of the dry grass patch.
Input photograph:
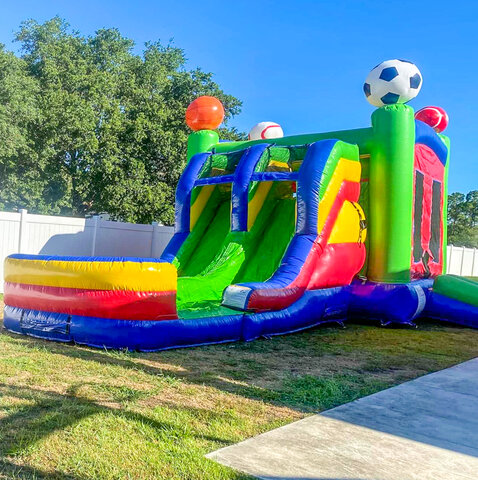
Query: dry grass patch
(70, 412)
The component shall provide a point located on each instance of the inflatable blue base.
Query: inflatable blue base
(384, 303)
(451, 310)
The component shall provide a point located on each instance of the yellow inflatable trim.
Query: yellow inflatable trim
(198, 206)
(110, 275)
(347, 227)
(276, 166)
(346, 170)
(257, 202)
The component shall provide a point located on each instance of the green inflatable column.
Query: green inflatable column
(446, 141)
(391, 194)
(201, 141)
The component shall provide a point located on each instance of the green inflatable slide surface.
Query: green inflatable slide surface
(213, 257)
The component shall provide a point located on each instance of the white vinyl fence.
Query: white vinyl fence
(462, 261)
(43, 234)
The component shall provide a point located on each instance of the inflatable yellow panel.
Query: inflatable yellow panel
(95, 275)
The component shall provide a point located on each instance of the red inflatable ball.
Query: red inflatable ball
(204, 113)
(436, 117)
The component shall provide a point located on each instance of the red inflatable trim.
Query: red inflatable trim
(427, 162)
(274, 298)
(325, 266)
(337, 265)
(117, 304)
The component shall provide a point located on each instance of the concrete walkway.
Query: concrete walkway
(423, 429)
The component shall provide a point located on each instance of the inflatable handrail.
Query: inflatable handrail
(191, 179)
(240, 187)
(316, 168)
(275, 176)
(214, 180)
(184, 189)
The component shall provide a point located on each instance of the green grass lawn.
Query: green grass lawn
(69, 412)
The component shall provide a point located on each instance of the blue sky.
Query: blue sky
(302, 63)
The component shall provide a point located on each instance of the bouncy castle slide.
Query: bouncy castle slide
(271, 237)
(238, 255)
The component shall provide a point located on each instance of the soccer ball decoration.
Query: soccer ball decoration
(265, 130)
(436, 117)
(391, 82)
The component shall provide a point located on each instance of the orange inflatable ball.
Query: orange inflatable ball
(204, 113)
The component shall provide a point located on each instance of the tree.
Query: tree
(463, 219)
(20, 183)
(105, 130)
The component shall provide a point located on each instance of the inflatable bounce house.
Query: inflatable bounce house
(273, 235)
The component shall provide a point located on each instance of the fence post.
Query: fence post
(448, 263)
(462, 260)
(95, 229)
(154, 239)
(473, 263)
(23, 230)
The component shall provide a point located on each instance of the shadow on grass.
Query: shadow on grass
(306, 372)
(231, 368)
(12, 471)
(241, 368)
(292, 371)
(49, 412)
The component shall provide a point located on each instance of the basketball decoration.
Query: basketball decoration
(204, 113)
(436, 117)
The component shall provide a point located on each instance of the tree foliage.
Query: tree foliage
(88, 126)
(463, 219)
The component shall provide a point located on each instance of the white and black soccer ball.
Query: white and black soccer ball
(391, 82)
